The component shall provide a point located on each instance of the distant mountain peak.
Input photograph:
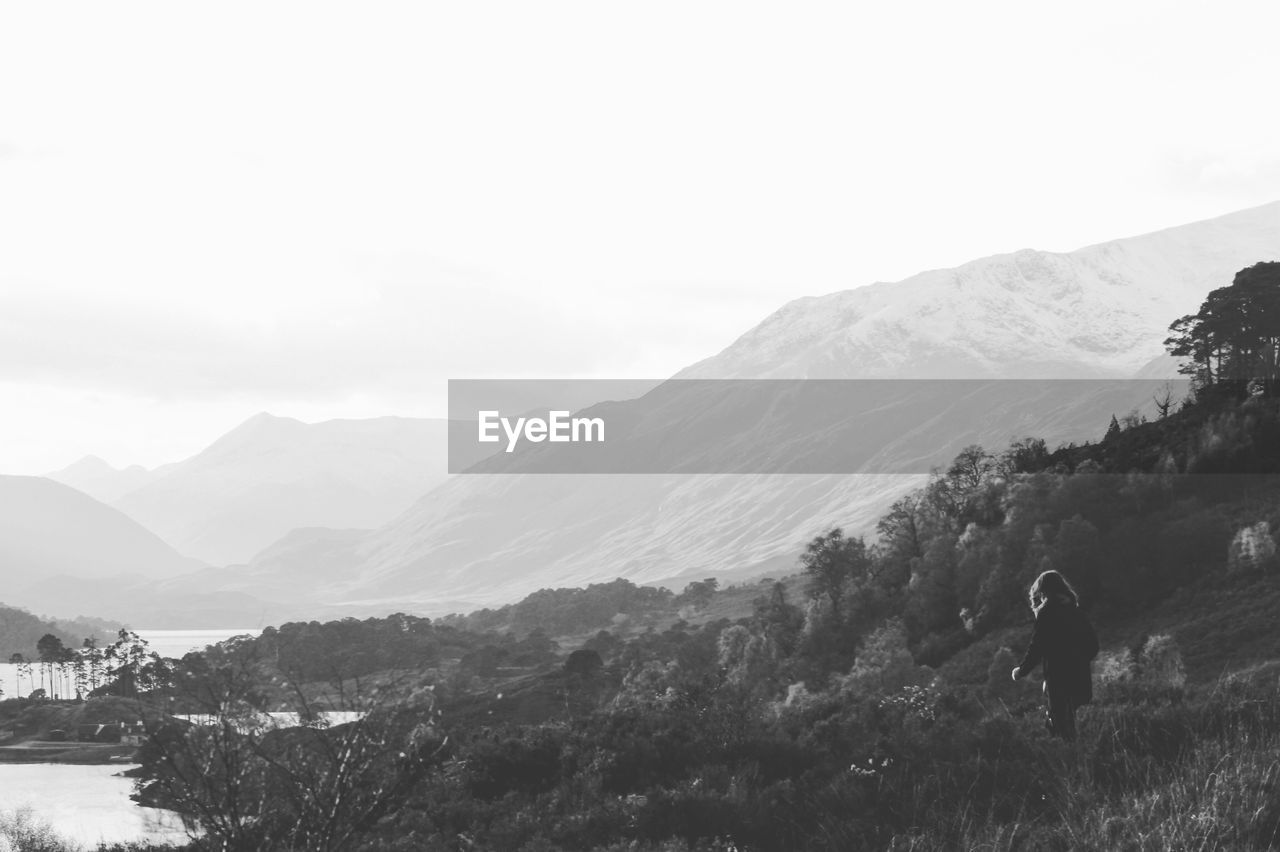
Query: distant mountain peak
(97, 478)
(88, 464)
(272, 474)
(262, 426)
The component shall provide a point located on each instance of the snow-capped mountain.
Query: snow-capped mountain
(1101, 311)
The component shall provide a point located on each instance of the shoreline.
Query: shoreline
(69, 753)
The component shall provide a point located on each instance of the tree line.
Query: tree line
(124, 667)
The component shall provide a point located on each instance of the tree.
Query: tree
(958, 495)
(52, 654)
(901, 529)
(603, 643)
(18, 662)
(1164, 400)
(133, 666)
(249, 784)
(830, 562)
(781, 621)
(90, 668)
(699, 593)
(1234, 339)
(932, 604)
(1026, 456)
(1113, 429)
(24, 670)
(884, 664)
(971, 469)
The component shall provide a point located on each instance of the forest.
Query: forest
(863, 702)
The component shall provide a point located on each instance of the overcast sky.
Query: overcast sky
(208, 210)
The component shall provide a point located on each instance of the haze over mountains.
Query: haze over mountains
(50, 533)
(296, 495)
(271, 475)
(103, 482)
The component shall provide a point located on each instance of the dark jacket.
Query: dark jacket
(1065, 642)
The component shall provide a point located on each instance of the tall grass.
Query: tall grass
(1199, 774)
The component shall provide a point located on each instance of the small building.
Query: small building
(133, 734)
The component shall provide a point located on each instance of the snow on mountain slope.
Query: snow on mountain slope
(271, 475)
(1100, 311)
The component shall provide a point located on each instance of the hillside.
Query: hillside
(20, 631)
(49, 529)
(865, 703)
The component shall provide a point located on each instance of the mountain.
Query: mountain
(100, 480)
(271, 475)
(20, 631)
(1101, 311)
(49, 529)
(302, 558)
(1098, 312)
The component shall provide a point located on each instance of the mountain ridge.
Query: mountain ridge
(822, 336)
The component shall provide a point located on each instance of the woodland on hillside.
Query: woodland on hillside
(863, 703)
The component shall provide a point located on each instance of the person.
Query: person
(1065, 643)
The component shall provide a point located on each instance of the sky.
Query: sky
(328, 210)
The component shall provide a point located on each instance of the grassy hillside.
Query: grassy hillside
(864, 702)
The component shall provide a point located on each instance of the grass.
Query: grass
(1202, 775)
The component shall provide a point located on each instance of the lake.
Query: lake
(85, 804)
(89, 804)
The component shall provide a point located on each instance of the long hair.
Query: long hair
(1051, 585)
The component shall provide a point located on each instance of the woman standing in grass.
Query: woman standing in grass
(1065, 642)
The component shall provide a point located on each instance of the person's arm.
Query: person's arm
(1035, 651)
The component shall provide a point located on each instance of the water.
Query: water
(175, 643)
(90, 804)
(85, 804)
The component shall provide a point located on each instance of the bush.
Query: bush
(22, 831)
